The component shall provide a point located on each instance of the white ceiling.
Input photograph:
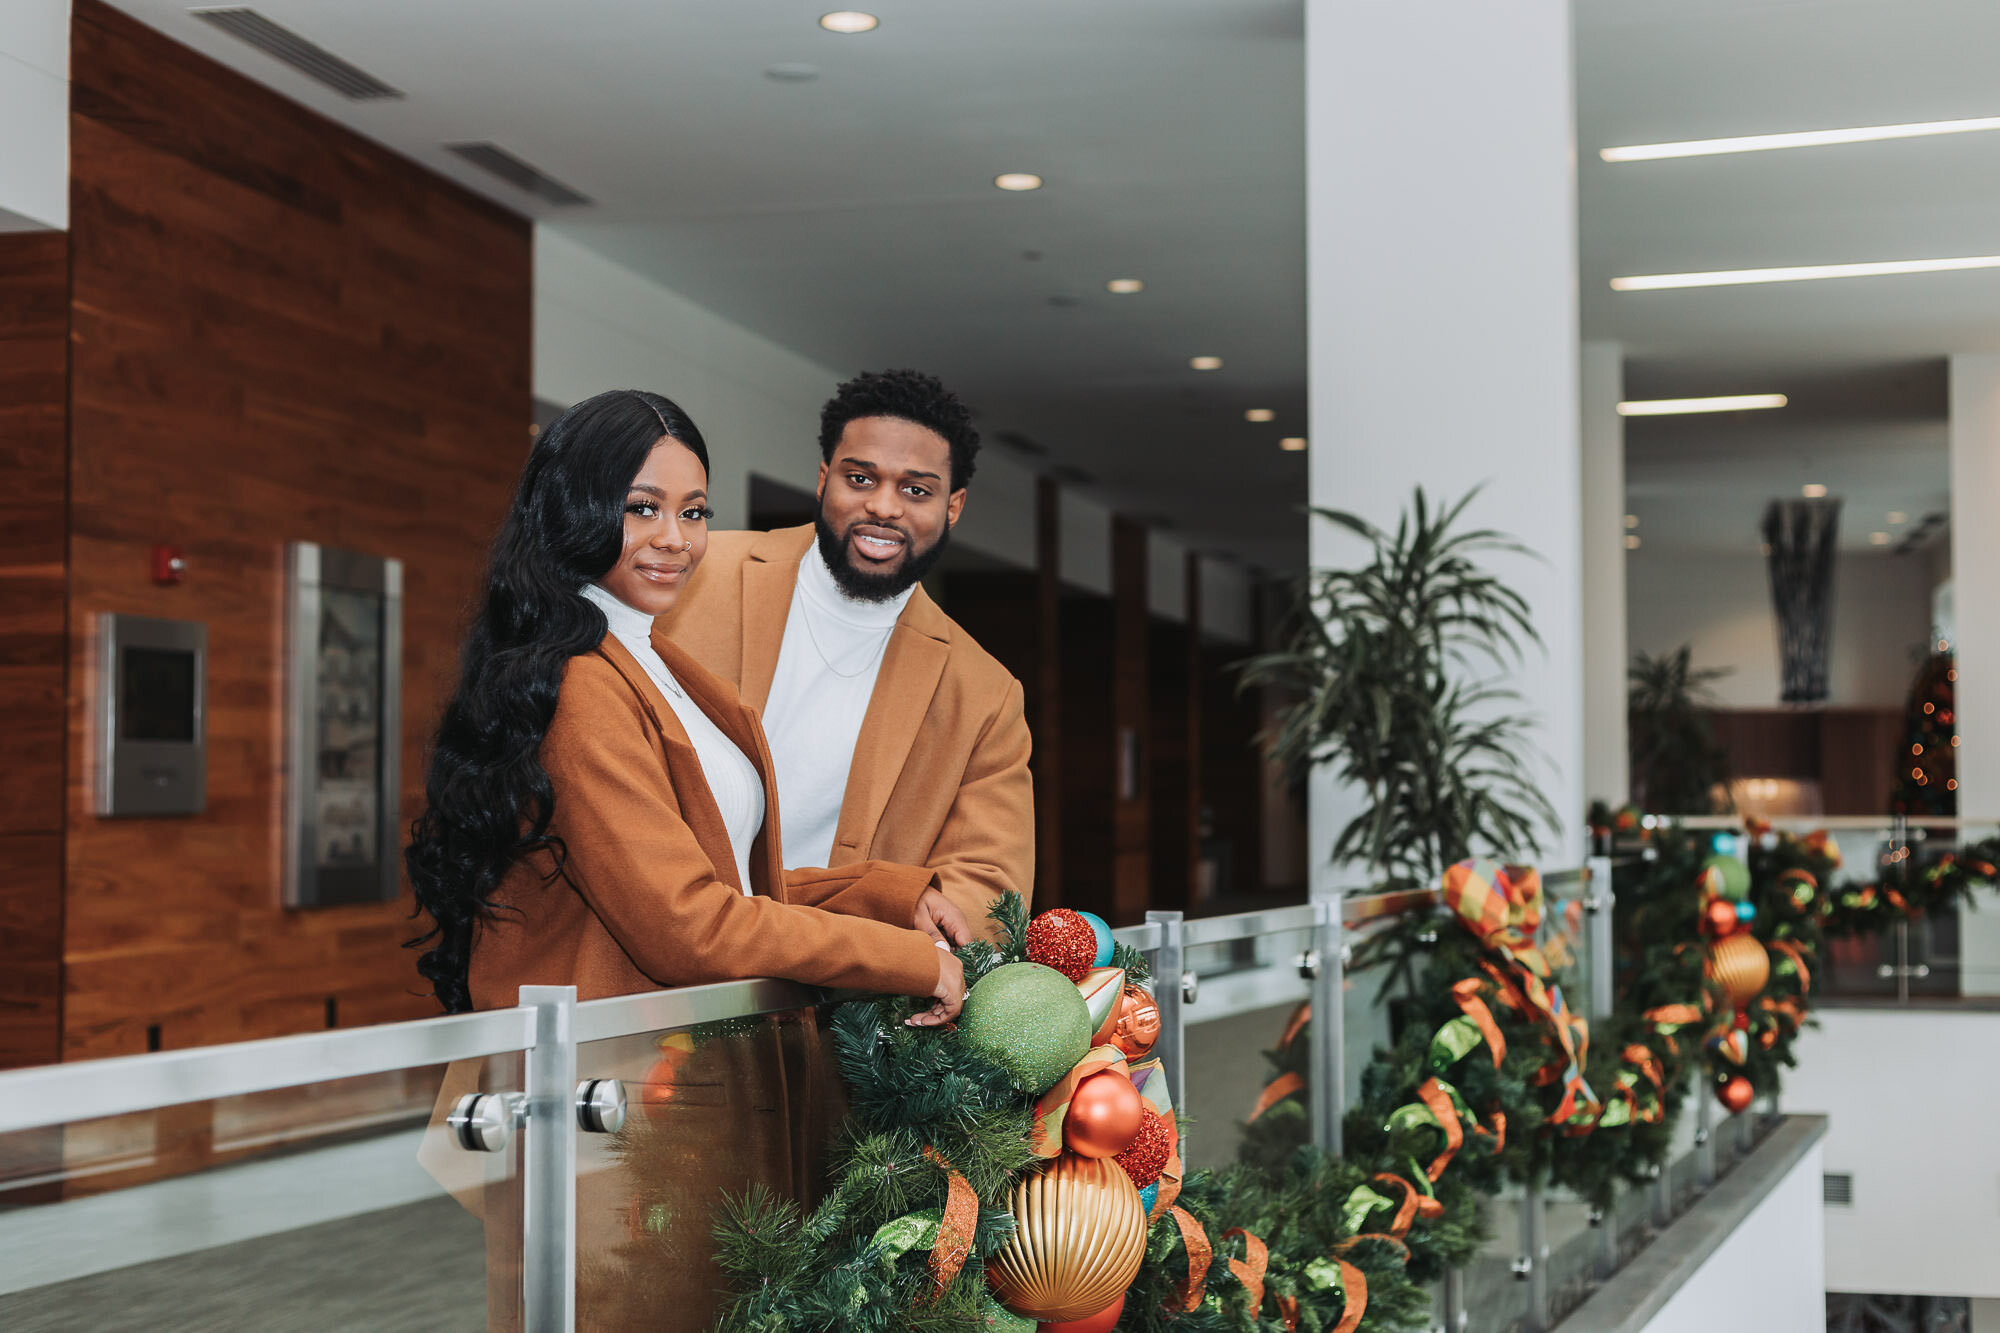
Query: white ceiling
(852, 218)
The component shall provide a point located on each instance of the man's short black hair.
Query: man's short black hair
(908, 395)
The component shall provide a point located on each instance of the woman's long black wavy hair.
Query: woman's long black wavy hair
(487, 799)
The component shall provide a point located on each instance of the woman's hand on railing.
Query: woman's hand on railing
(950, 993)
(938, 917)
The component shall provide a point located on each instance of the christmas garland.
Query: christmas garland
(945, 1140)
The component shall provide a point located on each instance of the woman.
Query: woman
(602, 810)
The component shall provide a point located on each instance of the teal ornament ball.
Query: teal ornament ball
(1727, 876)
(1102, 929)
(1149, 1197)
(1746, 912)
(1028, 1019)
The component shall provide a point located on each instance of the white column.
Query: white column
(34, 115)
(1975, 565)
(1606, 763)
(1442, 312)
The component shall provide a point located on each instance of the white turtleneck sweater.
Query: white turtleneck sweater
(827, 665)
(731, 777)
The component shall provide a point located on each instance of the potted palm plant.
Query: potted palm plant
(1386, 667)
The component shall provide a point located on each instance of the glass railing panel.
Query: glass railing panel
(341, 1204)
(1496, 1295)
(1575, 1237)
(712, 1110)
(1236, 1039)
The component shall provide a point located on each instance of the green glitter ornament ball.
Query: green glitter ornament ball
(1028, 1019)
(997, 1318)
(1727, 877)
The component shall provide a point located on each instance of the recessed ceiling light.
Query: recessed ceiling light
(1878, 539)
(1757, 143)
(1670, 407)
(1631, 541)
(1898, 516)
(1812, 490)
(1293, 444)
(1124, 286)
(1260, 414)
(1018, 180)
(1204, 363)
(1631, 520)
(1652, 282)
(848, 20)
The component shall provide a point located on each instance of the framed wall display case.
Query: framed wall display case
(343, 724)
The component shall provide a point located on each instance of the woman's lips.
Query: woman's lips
(662, 573)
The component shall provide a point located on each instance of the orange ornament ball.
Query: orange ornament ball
(1105, 1113)
(1102, 1322)
(1736, 1094)
(1719, 917)
(1135, 1026)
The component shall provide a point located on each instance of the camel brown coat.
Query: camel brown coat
(940, 773)
(647, 893)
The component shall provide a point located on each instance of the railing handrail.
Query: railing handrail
(90, 1089)
(1832, 823)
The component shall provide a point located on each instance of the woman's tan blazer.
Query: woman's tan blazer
(646, 894)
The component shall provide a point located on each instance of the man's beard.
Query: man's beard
(866, 585)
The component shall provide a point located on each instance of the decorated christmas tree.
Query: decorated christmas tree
(1927, 764)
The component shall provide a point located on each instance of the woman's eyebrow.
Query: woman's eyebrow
(653, 491)
(697, 494)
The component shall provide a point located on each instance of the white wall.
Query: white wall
(34, 114)
(1607, 767)
(1720, 601)
(1770, 1275)
(1910, 1095)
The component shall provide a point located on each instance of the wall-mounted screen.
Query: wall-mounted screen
(151, 752)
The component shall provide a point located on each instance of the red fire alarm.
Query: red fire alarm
(168, 567)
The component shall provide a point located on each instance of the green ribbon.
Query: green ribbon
(912, 1231)
(1360, 1203)
(1454, 1041)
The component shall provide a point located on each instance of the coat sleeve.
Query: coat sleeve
(878, 890)
(987, 844)
(631, 855)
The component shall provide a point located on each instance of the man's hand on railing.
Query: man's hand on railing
(950, 992)
(938, 917)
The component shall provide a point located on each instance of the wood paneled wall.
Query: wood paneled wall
(1132, 884)
(281, 331)
(34, 476)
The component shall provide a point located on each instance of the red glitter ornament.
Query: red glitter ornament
(1061, 939)
(1718, 918)
(1147, 1157)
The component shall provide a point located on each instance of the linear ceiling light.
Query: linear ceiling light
(1653, 282)
(1673, 407)
(1759, 143)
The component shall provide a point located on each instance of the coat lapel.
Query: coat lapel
(769, 577)
(911, 668)
(684, 771)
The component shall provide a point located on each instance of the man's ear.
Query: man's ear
(953, 507)
(819, 490)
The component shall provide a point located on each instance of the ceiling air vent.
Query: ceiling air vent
(1837, 1188)
(281, 43)
(497, 160)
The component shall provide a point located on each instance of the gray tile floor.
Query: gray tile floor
(417, 1266)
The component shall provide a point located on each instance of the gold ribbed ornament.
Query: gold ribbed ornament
(1740, 965)
(1079, 1234)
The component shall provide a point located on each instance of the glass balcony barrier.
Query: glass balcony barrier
(559, 1163)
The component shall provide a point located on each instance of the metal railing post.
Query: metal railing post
(548, 1167)
(1536, 1216)
(1599, 904)
(1704, 1137)
(1172, 987)
(1327, 1071)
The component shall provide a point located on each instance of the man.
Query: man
(895, 736)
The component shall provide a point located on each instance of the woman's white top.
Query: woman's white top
(731, 777)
